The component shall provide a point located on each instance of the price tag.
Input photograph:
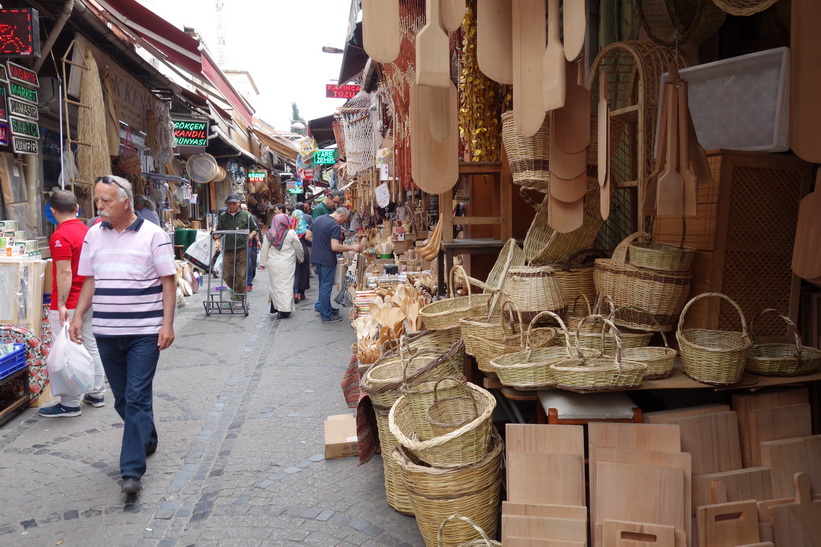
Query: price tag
(383, 195)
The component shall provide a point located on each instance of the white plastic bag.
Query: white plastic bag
(201, 252)
(69, 365)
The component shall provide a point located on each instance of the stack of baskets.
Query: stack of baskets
(781, 359)
(445, 314)
(641, 283)
(384, 381)
(535, 289)
(450, 460)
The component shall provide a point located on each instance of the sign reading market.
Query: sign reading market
(190, 133)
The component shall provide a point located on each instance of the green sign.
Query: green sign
(326, 156)
(190, 133)
(23, 93)
(24, 128)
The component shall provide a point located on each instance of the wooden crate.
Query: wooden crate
(744, 235)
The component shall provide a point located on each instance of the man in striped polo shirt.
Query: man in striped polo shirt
(130, 286)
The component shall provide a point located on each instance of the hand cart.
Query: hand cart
(221, 298)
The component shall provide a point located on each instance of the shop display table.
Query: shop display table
(444, 262)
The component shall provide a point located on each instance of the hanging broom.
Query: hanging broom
(92, 161)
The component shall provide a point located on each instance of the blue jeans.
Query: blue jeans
(326, 285)
(252, 265)
(130, 363)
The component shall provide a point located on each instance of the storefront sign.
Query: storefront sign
(23, 93)
(190, 133)
(256, 176)
(306, 174)
(23, 110)
(25, 146)
(19, 32)
(23, 74)
(325, 156)
(334, 91)
(4, 115)
(24, 128)
(4, 134)
(3, 77)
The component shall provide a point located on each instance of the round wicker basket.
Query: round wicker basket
(781, 359)
(445, 313)
(482, 541)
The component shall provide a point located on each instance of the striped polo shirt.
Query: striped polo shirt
(127, 267)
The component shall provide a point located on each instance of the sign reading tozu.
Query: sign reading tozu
(190, 133)
(334, 91)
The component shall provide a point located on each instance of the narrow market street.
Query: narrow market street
(239, 405)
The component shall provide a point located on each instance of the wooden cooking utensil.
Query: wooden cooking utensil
(432, 50)
(690, 197)
(603, 150)
(798, 524)
(452, 13)
(670, 190)
(651, 183)
(698, 156)
(443, 100)
(434, 165)
(572, 122)
(565, 217)
(574, 19)
(494, 39)
(553, 61)
(805, 80)
(806, 258)
(528, 49)
(380, 29)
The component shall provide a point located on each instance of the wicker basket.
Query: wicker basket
(463, 446)
(449, 413)
(436, 493)
(575, 315)
(590, 336)
(659, 360)
(485, 336)
(423, 393)
(781, 359)
(661, 256)
(510, 255)
(661, 293)
(482, 541)
(535, 289)
(529, 157)
(715, 357)
(602, 373)
(576, 277)
(671, 23)
(395, 492)
(445, 313)
(743, 7)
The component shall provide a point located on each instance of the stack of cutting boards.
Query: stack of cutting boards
(545, 486)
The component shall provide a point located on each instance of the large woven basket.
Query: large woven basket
(781, 359)
(445, 313)
(395, 491)
(423, 393)
(436, 493)
(484, 336)
(661, 256)
(463, 446)
(448, 413)
(601, 373)
(710, 356)
(659, 360)
(575, 275)
(661, 293)
(510, 255)
(482, 541)
(535, 289)
(671, 23)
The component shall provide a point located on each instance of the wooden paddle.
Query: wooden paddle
(452, 13)
(528, 44)
(575, 23)
(651, 183)
(432, 50)
(380, 29)
(669, 196)
(572, 122)
(805, 80)
(603, 150)
(434, 165)
(494, 39)
(554, 89)
(690, 196)
(443, 100)
(806, 257)
(798, 524)
(565, 217)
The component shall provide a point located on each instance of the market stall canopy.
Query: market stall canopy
(353, 57)
(321, 129)
(279, 145)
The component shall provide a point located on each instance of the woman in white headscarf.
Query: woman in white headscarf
(281, 249)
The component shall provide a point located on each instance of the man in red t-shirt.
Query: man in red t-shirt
(65, 244)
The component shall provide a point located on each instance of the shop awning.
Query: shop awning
(280, 146)
(353, 58)
(322, 131)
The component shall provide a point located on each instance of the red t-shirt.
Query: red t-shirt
(65, 244)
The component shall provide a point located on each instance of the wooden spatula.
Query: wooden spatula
(565, 217)
(494, 39)
(380, 29)
(434, 165)
(806, 258)
(651, 182)
(528, 44)
(572, 122)
(669, 197)
(553, 61)
(603, 151)
(452, 13)
(575, 23)
(432, 50)
(443, 100)
(690, 197)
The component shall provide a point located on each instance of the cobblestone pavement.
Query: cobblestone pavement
(239, 404)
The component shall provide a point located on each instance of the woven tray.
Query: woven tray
(780, 359)
(659, 360)
(446, 313)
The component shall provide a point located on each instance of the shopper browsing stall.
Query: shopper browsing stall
(327, 242)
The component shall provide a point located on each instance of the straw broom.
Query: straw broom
(92, 161)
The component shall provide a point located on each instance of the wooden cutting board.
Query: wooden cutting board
(494, 39)
(737, 485)
(545, 478)
(603, 150)
(667, 416)
(798, 524)
(578, 512)
(664, 438)
(805, 80)
(571, 123)
(443, 102)
(617, 533)
(432, 50)
(670, 185)
(381, 36)
(789, 456)
(769, 424)
(452, 13)
(712, 440)
(545, 439)
(745, 402)
(806, 260)
(515, 541)
(528, 52)
(543, 528)
(434, 165)
(727, 524)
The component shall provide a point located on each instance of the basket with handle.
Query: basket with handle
(645, 253)
(482, 541)
(510, 255)
(659, 360)
(600, 373)
(445, 313)
(535, 289)
(710, 356)
(422, 393)
(590, 336)
(450, 412)
(661, 293)
(484, 336)
(530, 368)
(574, 317)
(743, 7)
(464, 445)
(576, 277)
(781, 359)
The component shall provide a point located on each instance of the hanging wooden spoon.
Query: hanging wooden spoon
(553, 61)
(603, 151)
(528, 50)
(690, 197)
(494, 39)
(669, 197)
(575, 23)
(381, 35)
(432, 50)
(452, 13)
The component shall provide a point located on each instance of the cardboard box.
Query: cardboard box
(341, 440)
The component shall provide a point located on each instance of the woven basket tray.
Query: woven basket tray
(780, 359)
(710, 356)
(659, 360)
(446, 313)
